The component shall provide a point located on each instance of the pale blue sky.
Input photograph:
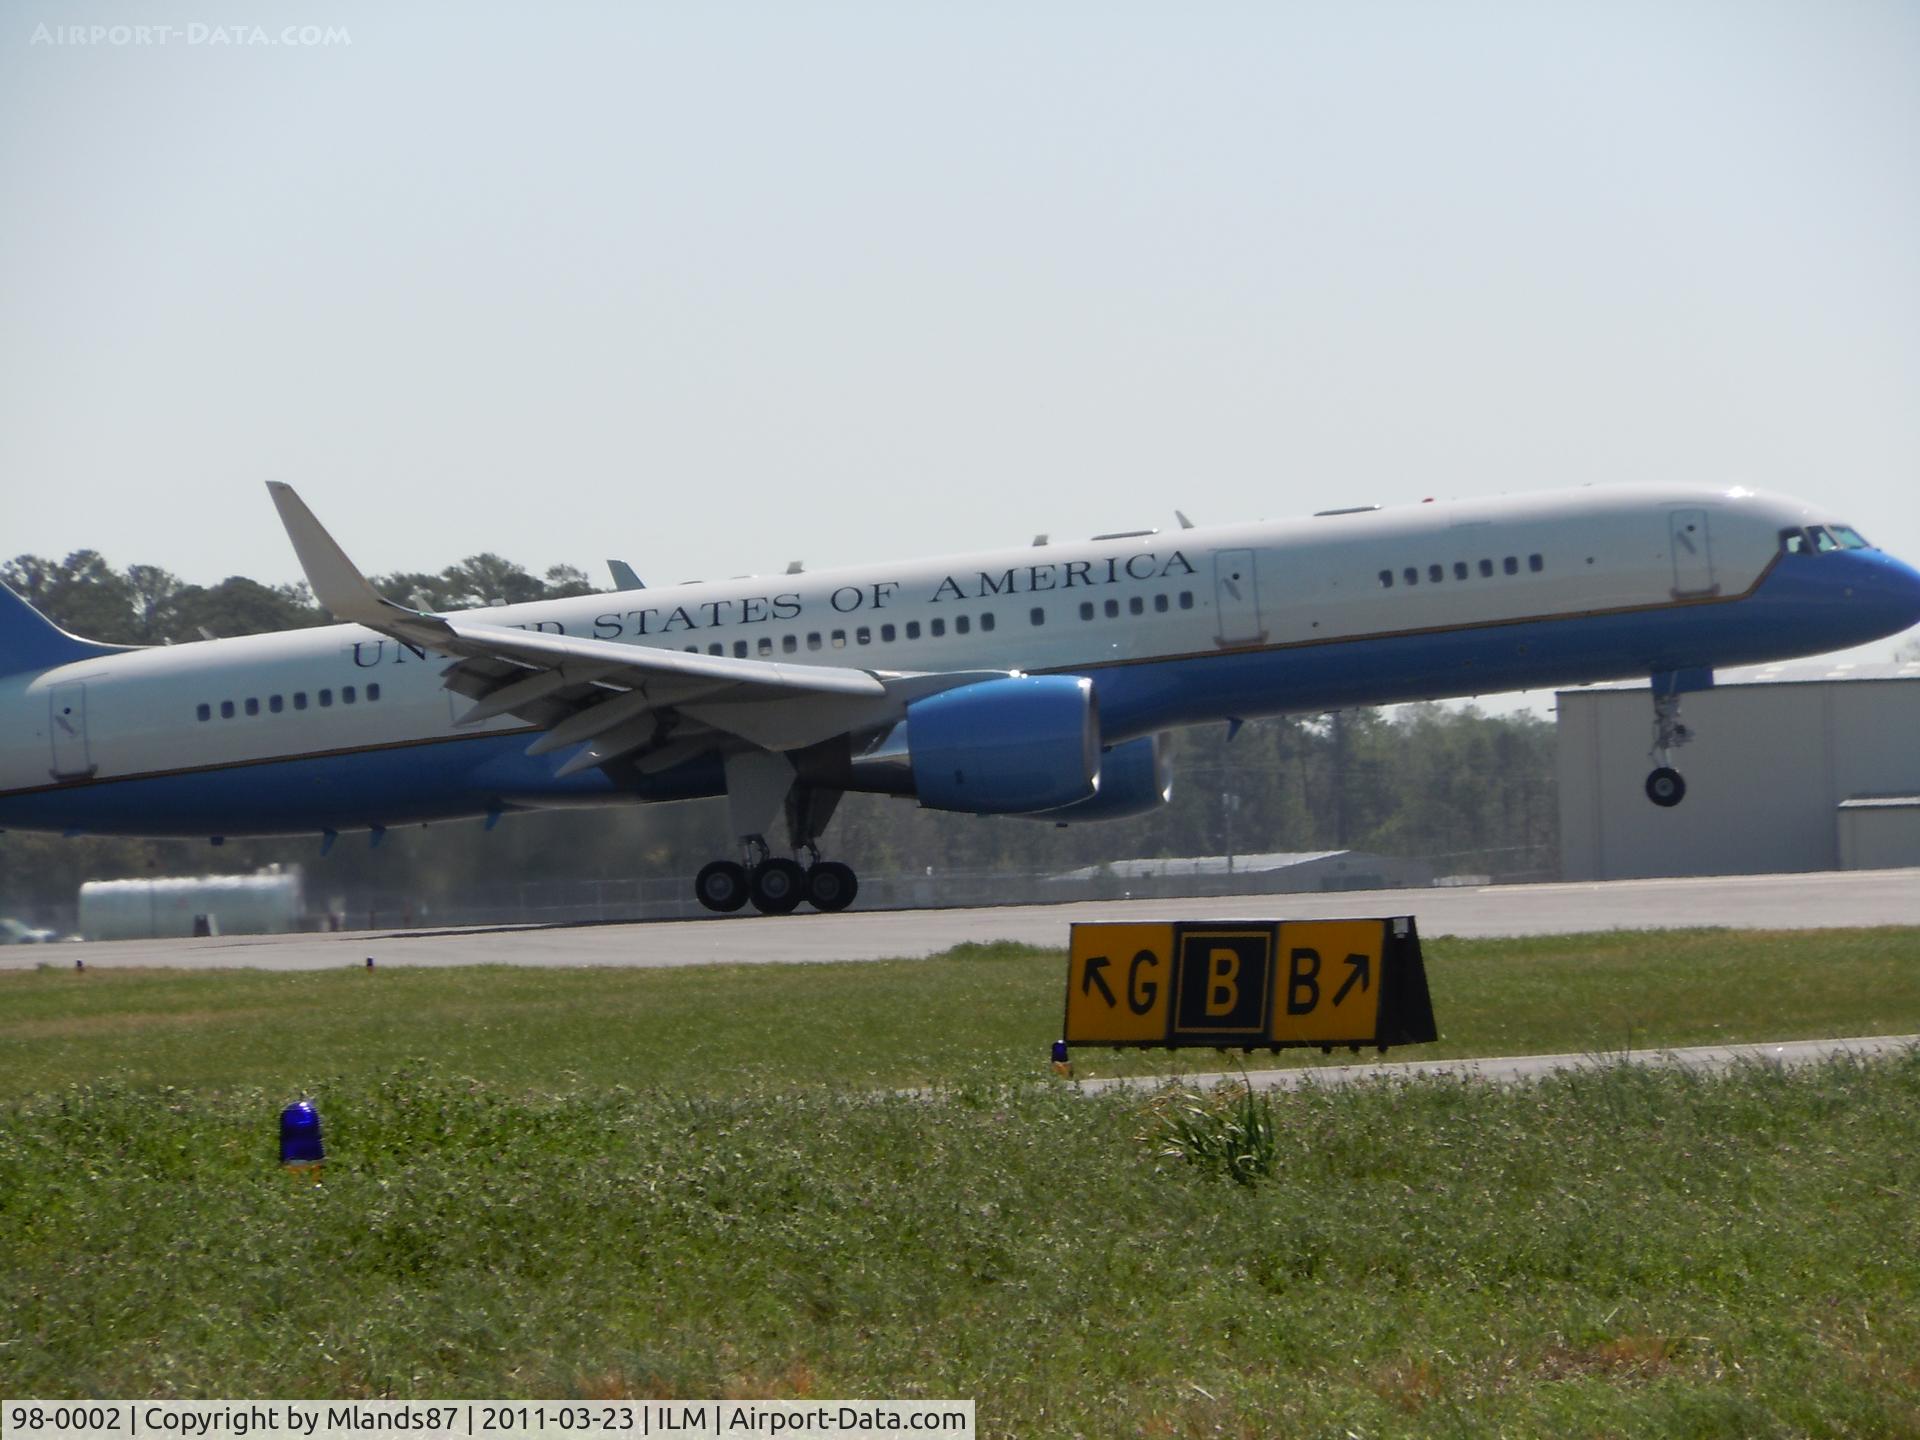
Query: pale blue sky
(711, 287)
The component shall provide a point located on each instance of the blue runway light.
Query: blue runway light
(300, 1147)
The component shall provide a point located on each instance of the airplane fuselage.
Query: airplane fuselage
(342, 728)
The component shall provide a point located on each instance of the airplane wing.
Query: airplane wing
(614, 700)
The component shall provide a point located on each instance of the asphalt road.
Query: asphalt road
(1816, 901)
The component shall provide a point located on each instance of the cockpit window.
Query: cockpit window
(1850, 538)
(1823, 540)
(1794, 542)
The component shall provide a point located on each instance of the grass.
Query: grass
(985, 1009)
(697, 1183)
(1634, 1254)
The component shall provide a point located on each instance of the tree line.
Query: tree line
(1470, 792)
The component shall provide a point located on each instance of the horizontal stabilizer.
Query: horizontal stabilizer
(30, 641)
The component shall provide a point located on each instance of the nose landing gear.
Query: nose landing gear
(1665, 786)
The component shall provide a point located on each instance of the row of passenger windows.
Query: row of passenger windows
(349, 695)
(1136, 605)
(936, 628)
(1462, 571)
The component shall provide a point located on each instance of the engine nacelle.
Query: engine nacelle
(1135, 779)
(998, 747)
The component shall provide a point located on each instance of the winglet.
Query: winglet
(336, 583)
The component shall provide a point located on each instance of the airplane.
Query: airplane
(1037, 681)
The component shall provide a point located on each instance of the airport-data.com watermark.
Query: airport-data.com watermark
(197, 34)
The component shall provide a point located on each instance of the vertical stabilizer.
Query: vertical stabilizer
(30, 641)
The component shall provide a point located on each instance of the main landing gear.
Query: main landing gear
(1665, 787)
(762, 789)
(775, 885)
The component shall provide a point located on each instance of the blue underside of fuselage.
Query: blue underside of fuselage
(1806, 605)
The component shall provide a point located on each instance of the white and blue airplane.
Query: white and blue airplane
(1036, 681)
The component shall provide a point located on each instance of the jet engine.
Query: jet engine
(998, 747)
(1135, 779)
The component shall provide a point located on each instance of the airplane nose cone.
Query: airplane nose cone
(1893, 587)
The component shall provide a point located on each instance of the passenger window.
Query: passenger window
(1460, 571)
(1511, 565)
(1410, 575)
(863, 636)
(348, 695)
(1136, 606)
(276, 704)
(253, 706)
(1386, 579)
(326, 699)
(813, 640)
(913, 629)
(1486, 569)
(373, 693)
(937, 628)
(739, 649)
(961, 624)
(1536, 563)
(887, 632)
(204, 711)
(226, 709)
(837, 639)
(299, 699)
(691, 649)
(1086, 609)
(765, 645)
(1160, 604)
(789, 644)
(1436, 573)
(716, 649)
(1037, 615)
(1186, 599)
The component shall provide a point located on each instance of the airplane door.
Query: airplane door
(68, 723)
(1692, 550)
(1236, 598)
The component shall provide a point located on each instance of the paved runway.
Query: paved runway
(1817, 901)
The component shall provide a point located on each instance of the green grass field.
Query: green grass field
(981, 1011)
(696, 1183)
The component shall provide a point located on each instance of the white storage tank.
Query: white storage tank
(269, 902)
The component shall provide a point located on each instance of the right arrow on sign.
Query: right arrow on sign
(1362, 973)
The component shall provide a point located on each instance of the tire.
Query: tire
(1665, 788)
(777, 887)
(721, 886)
(831, 886)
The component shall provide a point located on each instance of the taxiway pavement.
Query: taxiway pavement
(1767, 902)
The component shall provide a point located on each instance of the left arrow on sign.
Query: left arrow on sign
(1093, 977)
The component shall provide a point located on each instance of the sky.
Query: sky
(712, 287)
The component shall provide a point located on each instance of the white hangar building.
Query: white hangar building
(1806, 765)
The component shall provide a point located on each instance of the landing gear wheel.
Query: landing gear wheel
(831, 886)
(721, 886)
(777, 887)
(1665, 787)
